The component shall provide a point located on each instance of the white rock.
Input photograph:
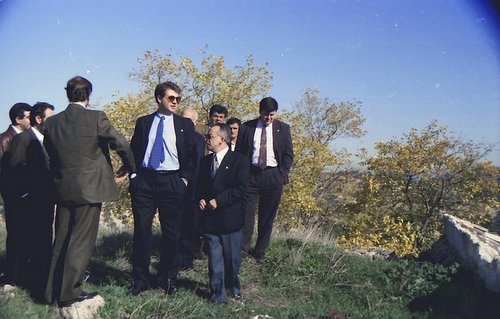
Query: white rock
(82, 310)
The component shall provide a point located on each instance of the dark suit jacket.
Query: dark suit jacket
(29, 166)
(200, 146)
(228, 187)
(78, 142)
(282, 146)
(184, 134)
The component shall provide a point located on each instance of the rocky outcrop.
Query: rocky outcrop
(7, 291)
(477, 248)
(86, 309)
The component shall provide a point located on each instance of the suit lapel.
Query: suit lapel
(146, 127)
(37, 151)
(276, 133)
(225, 165)
(39, 145)
(179, 133)
(148, 121)
(251, 133)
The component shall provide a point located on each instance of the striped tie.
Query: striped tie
(262, 162)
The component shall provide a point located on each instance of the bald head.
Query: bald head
(190, 113)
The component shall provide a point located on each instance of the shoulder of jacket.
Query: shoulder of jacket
(53, 118)
(180, 118)
(251, 122)
(9, 132)
(281, 123)
(144, 118)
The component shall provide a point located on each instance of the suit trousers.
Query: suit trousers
(191, 243)
(265, 187)
(224, 261)
(37, 241)
(165, 193)
(16, 262)
(76, 233)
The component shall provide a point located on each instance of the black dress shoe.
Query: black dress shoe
(238, 296)
(136, 289)
(81, 297)
(256, 255)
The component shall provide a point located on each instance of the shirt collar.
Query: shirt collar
(220, 154)
(260, 124)
(164, 115)
(16, 129)
(37, 133)
(79, 103)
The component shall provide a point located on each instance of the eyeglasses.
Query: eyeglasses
(172, 98)
(208, 136)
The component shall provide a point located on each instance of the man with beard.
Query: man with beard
(34, 209)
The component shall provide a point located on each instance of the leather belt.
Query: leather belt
(158, 172)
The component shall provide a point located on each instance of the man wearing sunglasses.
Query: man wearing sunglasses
(163, 147)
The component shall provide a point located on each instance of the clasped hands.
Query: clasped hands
(211, 205)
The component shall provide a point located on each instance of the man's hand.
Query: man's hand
(212, 204)
(120, 179)
(203, 204)
(121, 175)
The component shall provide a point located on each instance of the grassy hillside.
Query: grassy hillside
(299, 278)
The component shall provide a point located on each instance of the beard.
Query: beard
(41, 127)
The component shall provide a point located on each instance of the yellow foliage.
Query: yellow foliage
(391, 233)
(210, 82)
(414, 181)
(315, 123)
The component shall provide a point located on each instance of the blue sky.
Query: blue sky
(409, 62)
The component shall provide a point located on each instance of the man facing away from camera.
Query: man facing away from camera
(78, 142)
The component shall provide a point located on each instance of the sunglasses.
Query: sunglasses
(172, 98)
